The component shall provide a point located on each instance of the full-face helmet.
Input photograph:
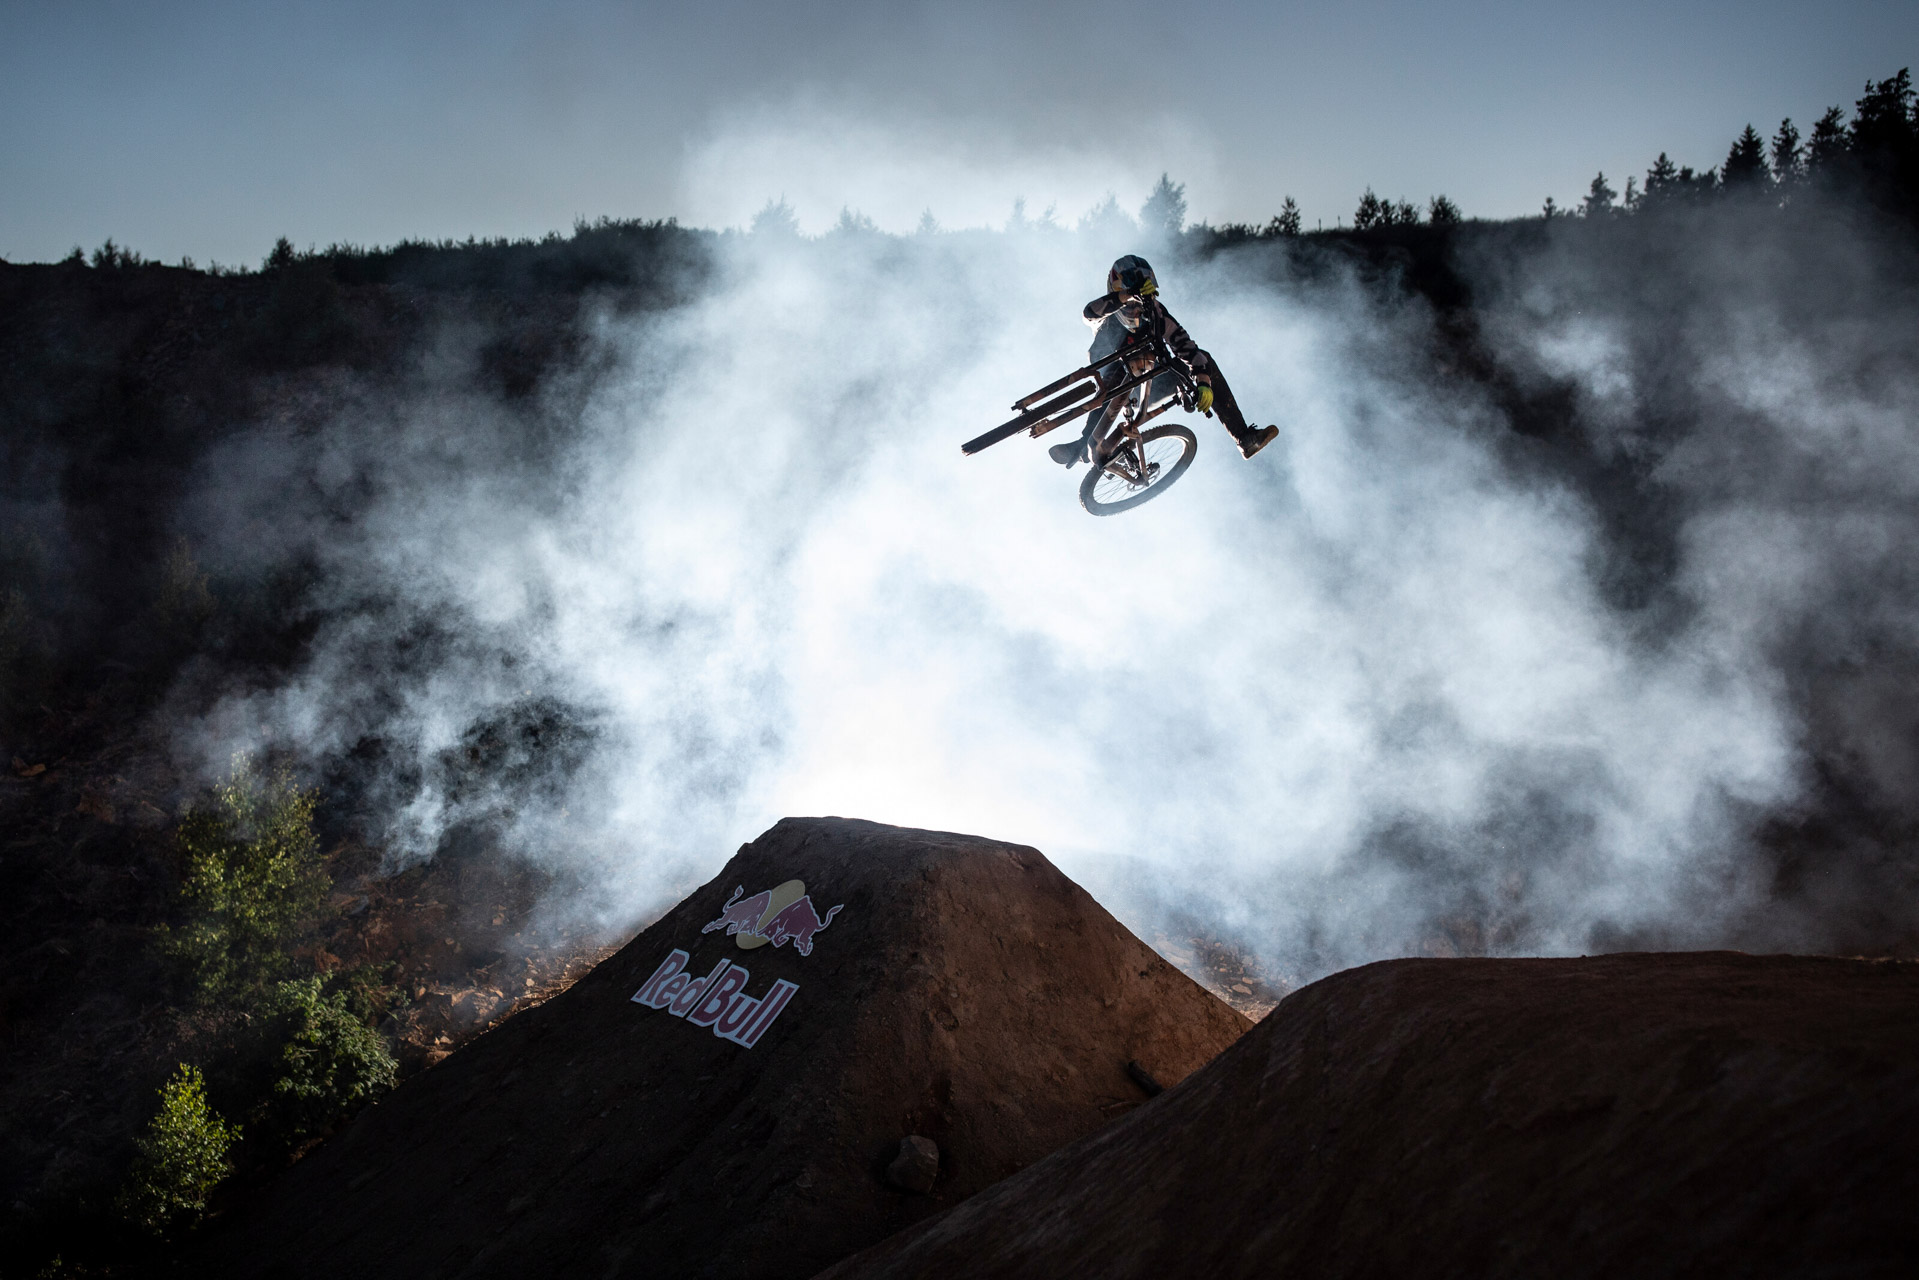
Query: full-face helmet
(1132, 274)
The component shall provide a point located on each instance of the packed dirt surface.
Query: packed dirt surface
(966, 992)
(1626, 1115)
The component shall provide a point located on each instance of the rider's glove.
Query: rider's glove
(1205, 400)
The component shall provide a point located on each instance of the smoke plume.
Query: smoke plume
(1429, 674)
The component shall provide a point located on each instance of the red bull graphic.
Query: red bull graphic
(780, 915)
(743, 916)
(717, 1001)
(797, 922)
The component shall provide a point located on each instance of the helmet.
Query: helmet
(1132, 274)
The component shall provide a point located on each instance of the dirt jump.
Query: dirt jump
(850, 1028)
(1706, 1114)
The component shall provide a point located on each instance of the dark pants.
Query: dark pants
(1225, 408)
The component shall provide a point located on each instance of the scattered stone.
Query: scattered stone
(917, 1165)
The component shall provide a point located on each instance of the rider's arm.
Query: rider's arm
(1181, 344)
(1099, 308)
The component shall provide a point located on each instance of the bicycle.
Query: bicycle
(1130, 466)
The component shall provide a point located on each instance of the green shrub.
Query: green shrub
(182, 1157)
(251, 878)
(329, 1064)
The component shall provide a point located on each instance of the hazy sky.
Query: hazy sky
(211, 128)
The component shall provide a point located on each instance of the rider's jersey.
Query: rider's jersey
(1154, 320)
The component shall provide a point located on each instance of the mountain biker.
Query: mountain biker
(1130, 313)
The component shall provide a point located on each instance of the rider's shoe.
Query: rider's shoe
(1255, 439)
(1067, 452)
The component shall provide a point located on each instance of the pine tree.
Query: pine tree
(1661, 181)
(1630, 201)
(1165, 209)
(1828, 142)
(1442, 212)
(1788, 157)
(1693, 186)
(854, 223)
(1599, 199)
(1882, 119)
(1107, 218)
(1550, 209)
(776, 219)
(1885, 141)
(1372, 212)
(1286, 221)
(1745, 168)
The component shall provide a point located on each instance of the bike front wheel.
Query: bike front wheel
(1138, 472)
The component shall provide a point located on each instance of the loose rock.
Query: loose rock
(917, 1165)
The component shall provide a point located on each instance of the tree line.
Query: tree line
(1876, 153)
(1873, 151)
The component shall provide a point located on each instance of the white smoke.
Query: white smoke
(1361, 697)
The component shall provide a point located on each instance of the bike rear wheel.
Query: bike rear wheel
(1139, 473)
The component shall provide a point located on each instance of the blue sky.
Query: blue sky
(209, 129)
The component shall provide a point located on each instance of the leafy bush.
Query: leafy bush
(251, 878)
(182, 1157)
(329, 1064)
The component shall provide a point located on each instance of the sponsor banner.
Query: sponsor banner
(717, 1001)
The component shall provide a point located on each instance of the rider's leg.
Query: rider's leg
(1250, 439)
(1069, 452)
(1107, 339)
(1225, 408)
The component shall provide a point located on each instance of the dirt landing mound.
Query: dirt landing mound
(965, 991)
(1632, 1115)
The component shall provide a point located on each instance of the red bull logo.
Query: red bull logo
(718, 1001)
(778, 915)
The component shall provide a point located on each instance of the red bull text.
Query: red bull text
(716, 1001)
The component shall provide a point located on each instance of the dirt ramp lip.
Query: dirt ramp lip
(698, 1107)
(1631, 1115)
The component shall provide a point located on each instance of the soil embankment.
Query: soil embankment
(1625, 1115)
(966, 991)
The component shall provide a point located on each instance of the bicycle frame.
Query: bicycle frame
(1116, 448)
(1081, 392)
